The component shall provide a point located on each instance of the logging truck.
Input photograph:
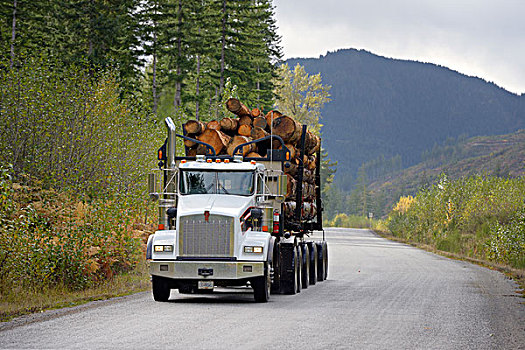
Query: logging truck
(238, 212)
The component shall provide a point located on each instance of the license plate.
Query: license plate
(205, 285)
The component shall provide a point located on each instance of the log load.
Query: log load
(245, 120)
(258, 133)
(308, 210)
(236, 107)
(271, 116)
(229, 124)
(288, 129)
(194, 127)
(214, 124)
(260, 122)
(217, 139)
(238, 140)
(226, 134)
(189, 143)
(245, 130)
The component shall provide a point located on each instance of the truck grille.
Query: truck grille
(201, 238)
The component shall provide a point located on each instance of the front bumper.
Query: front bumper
(222, 270)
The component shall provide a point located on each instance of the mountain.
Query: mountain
(384, 107)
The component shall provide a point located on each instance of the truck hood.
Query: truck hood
(216, 204)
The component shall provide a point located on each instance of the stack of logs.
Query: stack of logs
(226, 134)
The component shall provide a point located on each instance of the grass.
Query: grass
(23, 302)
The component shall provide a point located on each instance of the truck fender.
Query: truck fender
(149, 248)
(271, 246)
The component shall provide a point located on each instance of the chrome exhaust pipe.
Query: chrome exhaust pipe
(172, 143)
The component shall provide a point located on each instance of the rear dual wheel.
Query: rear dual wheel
(291, 284)
(322, 261)
(305, 271)
(312, 249)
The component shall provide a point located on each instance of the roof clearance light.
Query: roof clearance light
(183, 161)
(253, 162)
(208, 160)
(226, 161)
(217, 160)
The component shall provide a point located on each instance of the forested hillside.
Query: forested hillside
(501, 155)
(390, 111)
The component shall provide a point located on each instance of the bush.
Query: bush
(474, 216)
(70, 205)
(50, 239)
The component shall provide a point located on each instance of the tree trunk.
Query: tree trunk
(217, 139)
(288, 129)
(223, 45)
(245, 130)
(229, 124)
(239, 140)
(271, 116)
(260, 122)
(214, 124)
(256, 112)
(237, 107)
(194, 127)
(258, 133)
(178, 84)
(245, 120)
(13, 35)
(197, 86)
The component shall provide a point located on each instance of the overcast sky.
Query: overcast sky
(484, 38)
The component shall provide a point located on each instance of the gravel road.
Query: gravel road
(379, 295)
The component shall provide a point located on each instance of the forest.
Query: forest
(84, 86)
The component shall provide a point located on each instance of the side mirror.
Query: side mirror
(172, 215)
(152, 186)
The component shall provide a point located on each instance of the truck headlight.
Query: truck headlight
(253, 249)
(168, 248)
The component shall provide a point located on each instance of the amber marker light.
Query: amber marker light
(253, 162)
(208, 160)
(226, 161)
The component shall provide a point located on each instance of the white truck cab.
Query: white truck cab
(221, 225)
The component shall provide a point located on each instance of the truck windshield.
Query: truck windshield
(240, 183)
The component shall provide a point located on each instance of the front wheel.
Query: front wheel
(261, 287)
(161, 288)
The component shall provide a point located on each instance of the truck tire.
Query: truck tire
(276, 283)
(261, 287)
(299, 268)
(161, 289)
(305, 272)
(289, 284)
(325, 246)
(320, 261)
(312, 247)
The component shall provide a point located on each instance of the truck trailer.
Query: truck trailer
(226, 221)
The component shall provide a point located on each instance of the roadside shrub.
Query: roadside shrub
(476, 216)
(507, 242)
(71, 207)
(50, 239)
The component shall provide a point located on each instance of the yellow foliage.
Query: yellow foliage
(404, 204)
